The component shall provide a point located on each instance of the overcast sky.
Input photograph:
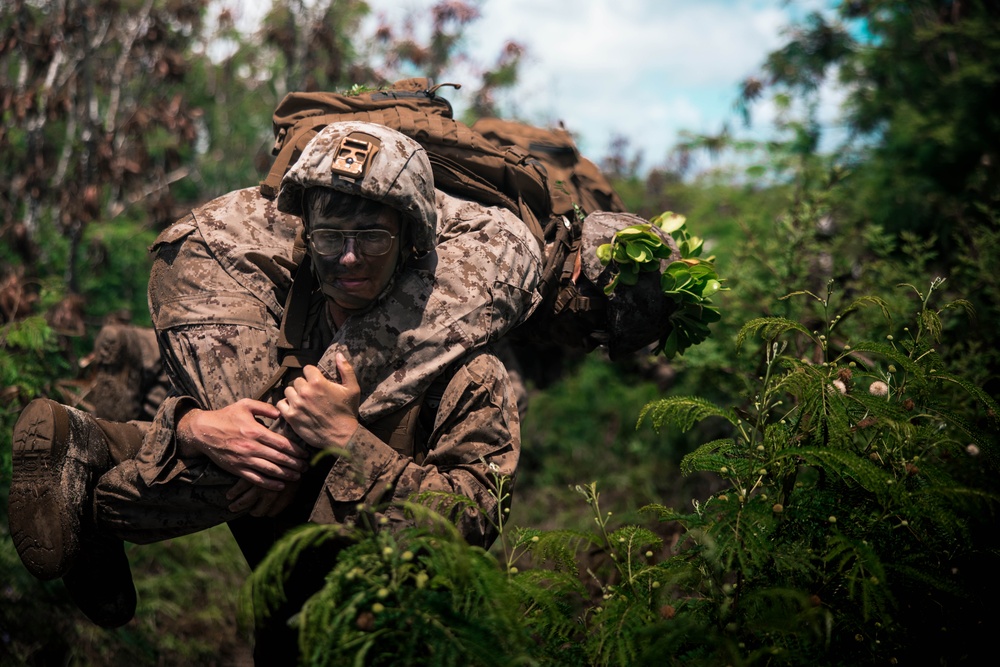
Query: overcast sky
(643, 69)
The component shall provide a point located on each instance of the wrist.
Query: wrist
(341, 439)
(188, 444)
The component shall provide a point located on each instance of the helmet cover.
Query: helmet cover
(370, 161)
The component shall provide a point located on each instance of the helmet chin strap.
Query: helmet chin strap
(326, 289)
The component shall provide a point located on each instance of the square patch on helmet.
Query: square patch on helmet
(353, 157)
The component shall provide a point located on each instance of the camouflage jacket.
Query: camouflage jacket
(217, 295)
(235, 273)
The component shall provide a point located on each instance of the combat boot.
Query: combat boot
(59, 453)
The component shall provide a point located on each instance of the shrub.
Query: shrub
(854, 525)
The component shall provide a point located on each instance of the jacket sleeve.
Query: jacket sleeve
(481, 281)
(476, 441)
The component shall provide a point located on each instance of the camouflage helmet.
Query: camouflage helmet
(370, 161)
(636, 315)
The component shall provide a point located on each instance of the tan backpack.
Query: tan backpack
(464, 162)
(535, 173)
(572, 178)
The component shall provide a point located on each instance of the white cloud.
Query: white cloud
(643, 69)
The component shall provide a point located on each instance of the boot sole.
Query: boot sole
(44, 524)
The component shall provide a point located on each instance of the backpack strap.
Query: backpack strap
(562, 241)
(294, 323)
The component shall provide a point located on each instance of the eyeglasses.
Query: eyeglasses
(371, 242)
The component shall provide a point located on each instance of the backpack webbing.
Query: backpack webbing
(463, 161)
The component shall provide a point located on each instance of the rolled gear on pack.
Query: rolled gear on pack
(574, 181)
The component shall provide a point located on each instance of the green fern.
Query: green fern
(769, 328)
(889, 353)
(664, 513)
(682, 411)
(715, 456)
(858, 565)
(557, 548)
(265, 589)
(857, 471)
(864, 302)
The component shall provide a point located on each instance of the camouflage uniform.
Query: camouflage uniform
(217, 296)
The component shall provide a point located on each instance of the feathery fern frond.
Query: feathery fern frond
(264, 590)
(757, 525)
(438, 508)
(769, 328)
(866, 301)
(985, 440)
(667, 513)
(415, 591)
(710, 457)
(548, 603)
(992, 407)
(800, 379)
(682, 411)
(888, 352)
(613, 637)
(558, 547)
(844, 465)
(634, 540)
(857, 562)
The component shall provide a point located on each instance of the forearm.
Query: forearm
(476, 442)
(376, 480)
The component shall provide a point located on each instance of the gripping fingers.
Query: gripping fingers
(245, 500)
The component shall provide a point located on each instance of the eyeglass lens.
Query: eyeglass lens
(367, 242)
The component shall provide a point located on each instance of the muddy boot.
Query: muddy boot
(100, 581)
(58, 455)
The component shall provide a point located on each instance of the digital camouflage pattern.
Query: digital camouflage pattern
(370, 161)
(217, 295)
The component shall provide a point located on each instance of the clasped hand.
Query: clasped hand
(319, 412)
(323, 413)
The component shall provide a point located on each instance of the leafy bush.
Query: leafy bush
(854, 525)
